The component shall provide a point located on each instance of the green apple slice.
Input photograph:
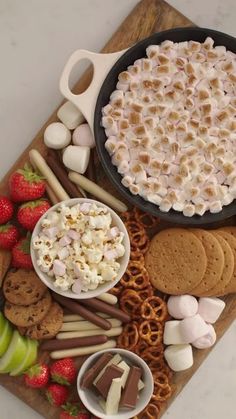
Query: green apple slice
(5, 338)
(2, 323)
(15, 353)
(30, 357)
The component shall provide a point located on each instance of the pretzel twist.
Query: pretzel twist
(154, 308)
(151, 331)
(129, 337)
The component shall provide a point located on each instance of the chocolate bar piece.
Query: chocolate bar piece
(104, 383)
(92, 373)
(130, 393)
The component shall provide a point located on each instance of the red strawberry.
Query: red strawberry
(57, 394)
(37, 376)
(29, 213)
(63, 371)
(8, 236)
(72, 411)
(26, 185)
(6, 209)
(21, 254)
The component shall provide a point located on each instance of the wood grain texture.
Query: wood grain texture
(148, 16)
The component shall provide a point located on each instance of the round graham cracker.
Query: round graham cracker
(176, 261)
(25, 316)
(229, 229)
(215, 262)
(227, 273)
(230, 239)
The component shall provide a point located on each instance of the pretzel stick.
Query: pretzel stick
(87, 350)
(44, 169)
(97, 191)
(115, 331)
(108, 298)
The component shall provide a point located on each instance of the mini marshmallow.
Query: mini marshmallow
(210, 309)
(172, 333)
(63, 253)
(73, 234)
(83, 136)
(50, 232)
(64, 241)
(182, 306)
(179, 357)
(192, 328)
(57, 136)
(59, 268)
(207, 340)
(70, 115)
(76, 158)
(77, 286)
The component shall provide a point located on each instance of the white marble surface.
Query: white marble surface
(36, 38)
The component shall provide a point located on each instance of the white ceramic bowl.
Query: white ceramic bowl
(90, 399)
(49, 282)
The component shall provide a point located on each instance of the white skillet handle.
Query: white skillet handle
(86, 101)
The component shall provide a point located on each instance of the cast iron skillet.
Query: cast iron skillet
(109, 85)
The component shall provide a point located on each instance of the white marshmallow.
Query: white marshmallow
(172, 333)
(59, 268)
(77, 286)
(210, 309)
(70, 115)
(182, 306)
(193, 328)
(83, 136)
(64, 241)
(179, 357)
(57, 136)
(207, 340)
(76, 158)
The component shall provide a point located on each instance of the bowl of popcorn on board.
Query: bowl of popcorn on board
(80, 248)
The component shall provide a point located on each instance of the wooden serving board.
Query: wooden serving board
(148, 16)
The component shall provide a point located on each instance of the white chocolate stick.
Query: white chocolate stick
(115, 331)
(97, 191)
(52, 196)
(77, 318)
(86, 350)
(86, 325)
(113, 397)
(108, 298)
(40, 163)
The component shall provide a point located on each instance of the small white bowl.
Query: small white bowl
(49, 282)
(90, 399)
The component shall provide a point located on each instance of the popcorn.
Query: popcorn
(85, 256)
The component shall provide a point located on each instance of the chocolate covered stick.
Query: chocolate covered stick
(106, 308)
(59, 170)
(56, 344)
(76, 308)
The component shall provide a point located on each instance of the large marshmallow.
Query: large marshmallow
(57, 136)
(179, 357)
(207, 340)
(70, 115)
(193, 328)
(76, 158)
(210, 308)
(172, 334)
(182, 306)
(83, 135)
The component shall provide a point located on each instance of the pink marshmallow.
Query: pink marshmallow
(85, 207)
(210, 308)
(110, 254)
(182, 306)
(83, 136)
(64, 241)
(59, 268)
(50, 232)
(77, 286)
(192, 328)
(207, 340)
(113, 232)
(73, 235)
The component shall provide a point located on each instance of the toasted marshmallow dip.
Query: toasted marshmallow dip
(171, 126)
(78, 247)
